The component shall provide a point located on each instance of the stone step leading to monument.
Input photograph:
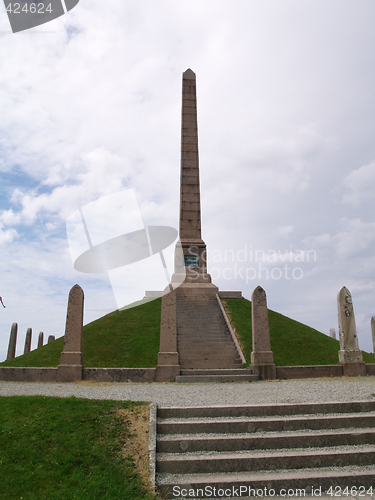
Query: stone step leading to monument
(209, 364)
(265, 441)
(213, 353)
(278, 446)
(203, 337)
(209, 376)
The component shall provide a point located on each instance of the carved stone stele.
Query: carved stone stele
(29, 333)
(71, 359)
(349, 354)
(261, 356)
(168, 365)
(12, 342)
(40, 339)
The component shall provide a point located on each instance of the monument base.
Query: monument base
(262, 363)
(354, 369)
(262, 358)
(167, 373)
(196, 289)
(70, 367)
(346, 356)
(69, 373)
(265, 372)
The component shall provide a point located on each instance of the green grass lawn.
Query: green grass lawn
(60, 449)
(292, 343)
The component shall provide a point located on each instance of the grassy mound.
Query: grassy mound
(55, 448)
(292, 343)
(130, 338)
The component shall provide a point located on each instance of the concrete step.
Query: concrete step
(213, 353)
(240, 425)
(203, 333)
(176, 443)
(202, 324)
(204, 337)
(204, 345)
(258, 460)
(213, 356)
(209, 379)
(315, 409)
(209, 364)
(241, 371)
(265, 446)
(310, 482)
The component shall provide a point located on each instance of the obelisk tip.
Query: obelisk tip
(189, 74)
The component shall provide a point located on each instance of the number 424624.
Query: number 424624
(31, 8)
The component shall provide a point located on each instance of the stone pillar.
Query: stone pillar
(168, 366)
(29, 333)
(196, 280)
(349, 354)
(71, 359)
(373, 333)
(12, 342)
(40, 340)
(51, 338)
(332, 333)
(262, 356)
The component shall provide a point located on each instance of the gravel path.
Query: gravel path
(264, 392)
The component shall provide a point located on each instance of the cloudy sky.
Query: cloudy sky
(91, 104)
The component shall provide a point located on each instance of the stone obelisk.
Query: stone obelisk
(349, 354)
(193, 247)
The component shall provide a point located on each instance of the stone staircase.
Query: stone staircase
(203, 338)
(275, 447)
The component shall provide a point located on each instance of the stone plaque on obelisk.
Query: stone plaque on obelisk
(193, 247)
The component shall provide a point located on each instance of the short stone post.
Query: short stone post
(373, 333)
(29, 333)
(71, 359)
(12, 342)
(40, 340)
(332, 333)
(349, 354)
(51, 338)
(262, 356)
(168, 366)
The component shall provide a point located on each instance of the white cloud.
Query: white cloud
(359, 185)
(101, 173)
(9, 218)
(7, 235)
(354, 241)
(284, 231)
